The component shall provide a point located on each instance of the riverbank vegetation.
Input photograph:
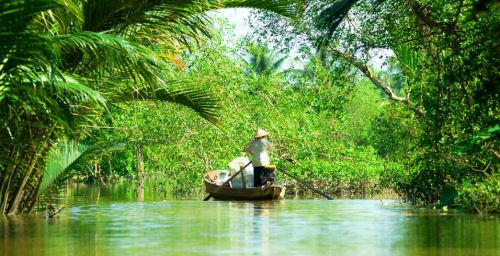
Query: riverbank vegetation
(397, 95)
(64, 63)
(444, 136)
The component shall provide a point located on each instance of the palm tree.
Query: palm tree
(263, 61)
(62, 62)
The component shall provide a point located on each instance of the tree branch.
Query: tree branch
(495, 153)
(425, 15)
(385, 88)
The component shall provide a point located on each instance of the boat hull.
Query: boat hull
(271, 192)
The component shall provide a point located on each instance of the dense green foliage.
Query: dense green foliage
(481, 196)
(65, 62)
(390, 94)
(311, 119)
(455, 82)
(444, 57)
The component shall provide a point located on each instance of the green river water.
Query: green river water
(110, 221)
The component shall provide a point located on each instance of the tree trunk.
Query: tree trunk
(7, 181)
(139, 153)
(38, 150)
(35, 194)
(14, 205)
(110, 170)
(98, 171)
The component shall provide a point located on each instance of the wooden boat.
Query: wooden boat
(269, 192)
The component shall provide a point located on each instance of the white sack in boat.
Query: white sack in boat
(223, 176)
(235, 166)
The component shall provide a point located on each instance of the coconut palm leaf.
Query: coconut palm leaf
(172, 22)
(130, 71)
(197, 99)
(67, 88)
(263, 61)
(278, 63)
(20, 42)
(101, 54)
(67, 157)
(102, 15)
(330, 18)
(17, 16)
(281, 7)
(25, 49)
(62, 158)
(408, 59)
(37, 99)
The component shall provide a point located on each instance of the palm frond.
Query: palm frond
(330, 18)
(101, 54)
(281, 7)
(66, 18)
(262, 60)
(66, 101)
(408, 59)
(62, 158)
(17, 15)
(62, 87)
(278, 63)
(199, 100)
(26, 49)
(78, 89)
(69, 156)
(20, 42)
(171, 22)
(164, 18)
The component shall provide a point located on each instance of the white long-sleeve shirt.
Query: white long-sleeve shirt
(259, 149)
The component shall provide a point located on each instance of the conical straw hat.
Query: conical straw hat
(260, 133)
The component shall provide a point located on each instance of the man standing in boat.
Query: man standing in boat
(259, 147)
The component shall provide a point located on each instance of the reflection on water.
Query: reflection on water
(109, 221)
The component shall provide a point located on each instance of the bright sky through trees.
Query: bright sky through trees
(238, 17)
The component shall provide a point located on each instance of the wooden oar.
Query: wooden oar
(323, 194)
(306, 185)
(227, 181)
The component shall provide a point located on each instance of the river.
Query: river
(109, 221)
